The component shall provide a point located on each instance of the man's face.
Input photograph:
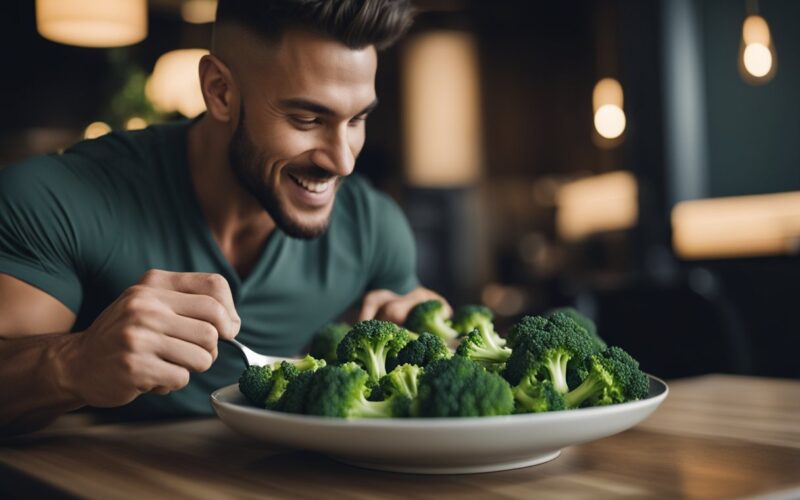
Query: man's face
(302, 127)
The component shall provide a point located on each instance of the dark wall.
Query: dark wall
(753, 131)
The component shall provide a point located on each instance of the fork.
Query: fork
(252, 358)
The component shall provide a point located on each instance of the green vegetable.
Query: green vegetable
(459, 387)
(421, 352)
(468, 318)
(533, 396)
(255, 383)
(582, 320)
(430, 316)
(403, 381)
(483, 349)
(370, 343)
(546, 348)
(340, 391)
(613, 377)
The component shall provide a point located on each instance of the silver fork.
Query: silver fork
(252, 358)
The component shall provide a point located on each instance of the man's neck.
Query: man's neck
(237, 221)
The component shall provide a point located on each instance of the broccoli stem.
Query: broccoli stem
(370, 409)
(588, 388)
(557, 366)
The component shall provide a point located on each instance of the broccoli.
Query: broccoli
(468, 318)
(545, 350)
(325, 342)
(340, 391)
(533, 396)
(582, 320)
(255, 382)
(402, 381)
(283, 372)
(430, 316)
(370, 343)
(613, 377)
(293, 398)
(527, 323)
(421, 352)
(482, 349)
(459, 387)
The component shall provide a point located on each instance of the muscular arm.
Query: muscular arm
(34, 346)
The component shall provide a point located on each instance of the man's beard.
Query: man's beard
(248, 164)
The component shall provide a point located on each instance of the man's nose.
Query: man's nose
(336, 154)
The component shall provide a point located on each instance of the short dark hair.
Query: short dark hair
(355, 23)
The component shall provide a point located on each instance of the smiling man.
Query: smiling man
(125, 259)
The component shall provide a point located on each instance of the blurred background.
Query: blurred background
(636, 160)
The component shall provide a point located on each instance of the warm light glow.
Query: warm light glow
(740, 226)
(441, 115)
(609, 121)
(607, 101)
(96, 129)
(755, 30)
(92, 23)
(607, 91)
(175, 83)
(135, 123)
(757, 60)
(605, 202)
(199, 11)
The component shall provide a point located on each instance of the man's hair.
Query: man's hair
(355, 23)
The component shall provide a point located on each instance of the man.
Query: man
(151, 246)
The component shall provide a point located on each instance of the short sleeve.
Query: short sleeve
(38, 240)
(394, 252)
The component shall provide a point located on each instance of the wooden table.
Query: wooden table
(716, 436)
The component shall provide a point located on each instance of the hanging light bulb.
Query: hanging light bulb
(92, 23)
(757, 58)
(175, 83)
(609, 118)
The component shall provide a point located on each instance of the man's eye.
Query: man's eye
(358, 120)
(304, 121)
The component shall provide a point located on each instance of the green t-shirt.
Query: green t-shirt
(85, 225)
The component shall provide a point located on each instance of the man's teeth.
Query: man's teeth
(314, 187)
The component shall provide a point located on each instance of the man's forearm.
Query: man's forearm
(32, 377)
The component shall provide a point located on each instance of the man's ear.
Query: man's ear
(219, 88)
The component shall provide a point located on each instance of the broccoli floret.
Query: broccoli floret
(293, 398)
(430, 316)
(582, 320)
(613, 377)
(403, 381)
(370, 343)
(546, 350)
(284, 372)
(468, 318)
(255, 382)
(533, 396)
(325, 342)
(482, 349)
(340, 391)
(459, 387)
(423, 351)
(527, 323)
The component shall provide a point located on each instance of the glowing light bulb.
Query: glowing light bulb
(135, 123)
(757, 60)
(607, 99)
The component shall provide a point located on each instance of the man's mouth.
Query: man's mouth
(312, 185)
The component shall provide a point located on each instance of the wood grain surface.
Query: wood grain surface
(714, 437)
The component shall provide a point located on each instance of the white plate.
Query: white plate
(437, 445)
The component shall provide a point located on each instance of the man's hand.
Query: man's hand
(389, 306)
(151, 338)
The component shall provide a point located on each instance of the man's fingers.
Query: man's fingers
(208, 284)
(397, 307)
(373, 302)
(184, 354)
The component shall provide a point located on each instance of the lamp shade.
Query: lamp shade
(92, 23)
(175, 83)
